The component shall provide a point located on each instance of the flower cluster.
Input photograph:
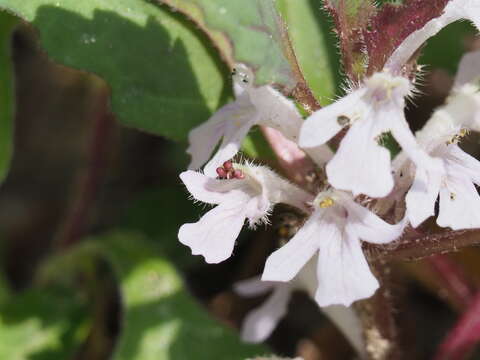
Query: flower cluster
(340, 216)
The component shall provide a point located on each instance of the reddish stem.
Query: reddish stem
(453, 279)
(461, 340)
(89, 180)
(297, 166)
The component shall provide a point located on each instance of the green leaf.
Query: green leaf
(7, 98)
(249, 32)
(42, 323)
(164, 76)
(314, 45)
(452, 38)
(160, 319)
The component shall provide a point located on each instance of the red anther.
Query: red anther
(238, 174)
(221, 172)
(227, 165)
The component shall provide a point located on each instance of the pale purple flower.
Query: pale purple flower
(261, 321)
(231, 123)
(459, 199)
(361, 164)
(250, 196)
(335, 231)
(454, 10)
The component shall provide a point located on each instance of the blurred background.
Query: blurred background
(91, 265)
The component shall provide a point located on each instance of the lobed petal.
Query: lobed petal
(324, 124)
(260, 323)
(361, 165)
(371, 228)
(276, 111)
(214, 235)
(286, 262)
(343, 272)
(421, 197)
(459, 205)
(211, 191)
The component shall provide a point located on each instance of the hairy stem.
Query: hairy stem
(414, 246)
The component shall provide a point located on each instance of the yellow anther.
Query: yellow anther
(457, 137)
(327, 202)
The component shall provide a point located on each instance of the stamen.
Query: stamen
(227, 165)
(457, 137)
(453, 196)
(221, 172)
(327, 202)
(238, 174)
(227, 172)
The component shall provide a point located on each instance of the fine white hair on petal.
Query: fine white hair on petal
(275, 188)
(260, 323)
(468, 69)
(344, 275)
(214, 235)
(454, 10)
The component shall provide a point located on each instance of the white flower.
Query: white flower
(361, 164)
(231, 123)
(334, 230)
(454, 10)
(250, 193)
(459, 199)
(261, 321)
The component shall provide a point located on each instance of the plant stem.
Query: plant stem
(296, 165)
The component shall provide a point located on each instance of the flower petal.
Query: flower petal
(421, 197)
(361, 165)
(371, 228)
(214, 235)
(459, 205)
(276, 111)
(455, 10)
(324, 124)
(459, 162)
(468, 69)
(343, 272)
(286, 262)
(253, 287)
(260, 323)
(208, 190)
(204, 138)
(235, 132)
